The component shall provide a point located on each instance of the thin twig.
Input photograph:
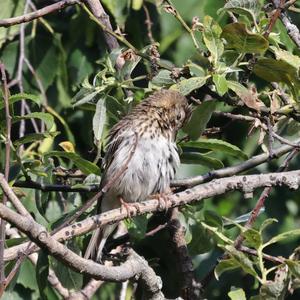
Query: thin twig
(5, 93)
(37, 14)
(149, 24)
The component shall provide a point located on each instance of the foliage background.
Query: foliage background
(67, 49)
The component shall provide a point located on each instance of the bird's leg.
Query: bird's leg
(128, 206)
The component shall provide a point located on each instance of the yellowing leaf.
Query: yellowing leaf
(67, 146)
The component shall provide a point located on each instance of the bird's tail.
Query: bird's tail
(97, 242)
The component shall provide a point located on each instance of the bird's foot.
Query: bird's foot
(163, 200)
(131, 208)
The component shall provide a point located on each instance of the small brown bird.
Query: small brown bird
(151, 130)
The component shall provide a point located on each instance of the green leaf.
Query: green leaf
(213, 219)
(186, 86)
(225, 265)
(162, 79)
(10, 9)
(237, 294)
(200, 159)
(99, 119)
(220, 83)
(45, 117)
(253, 238)
(137, 4)
(119, 9)
(238, 37)
(294, 267)
(273, 70)
(250, 8)
(33, 137)
(211, 36)
(84, 96)
(293, 60)
(292, 234)
(266, 223)
(243, 261)
(69, 278)
(137, 227)
(84, 165)
(201, 241)
(200, 117)
(18, 97)
(216, 145)
(42, 272)
(26, 277)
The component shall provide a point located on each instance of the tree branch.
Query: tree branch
(5, 93)
(244, 183)
(37, 14)
(134, 266)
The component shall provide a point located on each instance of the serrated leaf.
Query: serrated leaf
(84, 165)
(220, 83)
(99, 119)
(225, 265)
(237, 294)
(238, 37)
(250, 8)
(200, 117)
(186, 86)
(201, 159)
(18, 97)
(211, 36)
(45, 117)
(216, 145)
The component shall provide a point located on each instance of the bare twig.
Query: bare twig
(292, 29)
(87, 292)
(274, 17)
(149, 24)
(229, 171)
(5, 93)
(37, 14)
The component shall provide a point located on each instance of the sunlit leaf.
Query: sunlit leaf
(84, 165)
(99, 119)
(211, 36)
(216, 145)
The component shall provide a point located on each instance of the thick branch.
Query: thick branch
(134, 265)
(37, 14)
(245, 183)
